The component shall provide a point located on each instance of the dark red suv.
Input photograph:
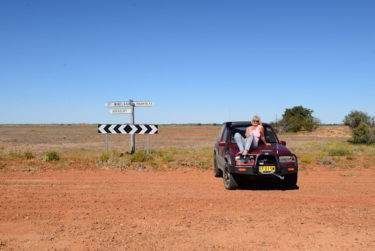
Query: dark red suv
(267, 160)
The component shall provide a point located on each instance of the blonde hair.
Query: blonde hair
(256, 117)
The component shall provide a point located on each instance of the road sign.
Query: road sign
(129, 103)
(117, 128)
(121, 111)
(127, 129)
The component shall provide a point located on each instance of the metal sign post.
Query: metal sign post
(106, 142)
(131, 104)
(132, 136)
(148, 143)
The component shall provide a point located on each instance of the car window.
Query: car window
(225, 134)
(221, 132)
(270, 135)
(239, 129)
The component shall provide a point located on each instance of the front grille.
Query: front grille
(266, 160)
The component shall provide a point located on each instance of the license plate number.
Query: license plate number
(267, 169)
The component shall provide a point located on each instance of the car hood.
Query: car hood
(274, 148)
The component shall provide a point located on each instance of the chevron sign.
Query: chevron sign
(127, 129)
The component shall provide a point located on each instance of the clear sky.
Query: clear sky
(204, 61)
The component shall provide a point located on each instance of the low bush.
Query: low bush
(20, 155)
(29, 155)
(325, 161)
(339, 152)
(140, 156)
(363, 134)
(167, 157)
(306, 159)
(114, 159)
(51, 156)
(104, 157)
(16, 155)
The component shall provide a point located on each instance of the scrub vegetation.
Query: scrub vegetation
(295, 119)
(177, 147)
(363, 127)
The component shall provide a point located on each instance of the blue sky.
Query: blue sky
(199, 61)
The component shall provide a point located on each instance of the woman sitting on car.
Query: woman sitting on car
(253, 134)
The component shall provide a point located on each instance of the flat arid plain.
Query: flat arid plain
(60, 190)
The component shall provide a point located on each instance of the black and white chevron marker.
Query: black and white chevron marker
(127, 129)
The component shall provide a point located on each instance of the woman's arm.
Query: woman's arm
(262, 136)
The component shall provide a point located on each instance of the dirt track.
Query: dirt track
(184, 209)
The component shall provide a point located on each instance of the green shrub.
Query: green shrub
(339, 152)
(29, 155)
(154, 165)
(167, 157)
(363, 134)
(140, 156)
(306, 159)
(16, 155)
(296, 119)
(104, 157)
(355, 118)
(51, 156)
(20, 155)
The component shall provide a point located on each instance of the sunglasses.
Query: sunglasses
(256, 121)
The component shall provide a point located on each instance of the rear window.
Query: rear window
(268, 133)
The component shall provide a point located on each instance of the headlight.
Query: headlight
(284, 159)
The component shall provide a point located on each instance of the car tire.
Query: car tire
(230, 182)
(217, 171)
(290, 181)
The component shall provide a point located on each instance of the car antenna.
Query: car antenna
(277, 144)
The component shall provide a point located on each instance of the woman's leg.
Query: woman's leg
(254, 145)
(249, 141)
(240, 141)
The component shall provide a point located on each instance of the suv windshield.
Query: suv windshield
(268, 133)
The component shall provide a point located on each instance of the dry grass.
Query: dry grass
(25, 147)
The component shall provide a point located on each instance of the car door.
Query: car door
(222, 147)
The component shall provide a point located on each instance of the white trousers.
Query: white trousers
(245, 143)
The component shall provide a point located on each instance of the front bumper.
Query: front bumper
(252, 170)
(280, 169)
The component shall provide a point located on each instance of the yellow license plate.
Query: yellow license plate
(267, 169)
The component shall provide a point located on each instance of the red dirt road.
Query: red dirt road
(188, 210)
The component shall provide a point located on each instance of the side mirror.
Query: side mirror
(283, 142)
(221, 143)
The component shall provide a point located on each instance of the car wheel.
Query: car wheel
(290, 180)
(230, 181)
(217, 171)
